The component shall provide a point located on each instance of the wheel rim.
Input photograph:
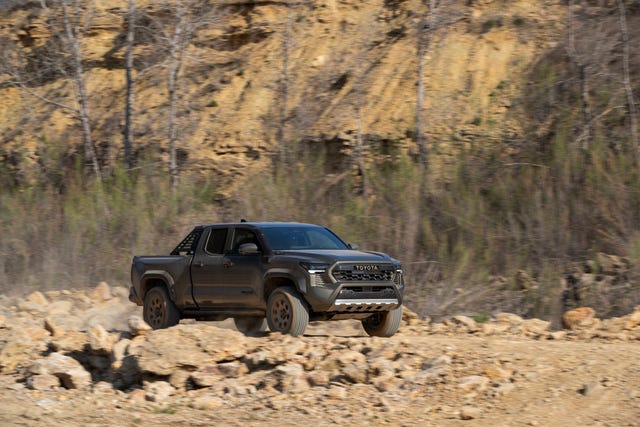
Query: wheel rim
(281, 313)
(157, 310)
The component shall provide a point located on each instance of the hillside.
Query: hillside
(343, 59)
(512, 190)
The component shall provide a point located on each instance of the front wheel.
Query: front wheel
(286, 312)
(159, 311)
(250, 325)
(384, 323)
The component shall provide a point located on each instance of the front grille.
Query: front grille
(363, 276)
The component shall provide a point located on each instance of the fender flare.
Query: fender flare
(158, 274)
(299, 280)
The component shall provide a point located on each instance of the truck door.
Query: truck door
(207, 268)
(223, 277)
(243, 273)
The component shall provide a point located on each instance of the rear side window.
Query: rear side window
(217, 239)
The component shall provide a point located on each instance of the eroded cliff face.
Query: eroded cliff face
(325, 70)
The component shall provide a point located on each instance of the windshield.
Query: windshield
(301, 237)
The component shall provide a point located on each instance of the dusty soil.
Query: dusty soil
(487, 380)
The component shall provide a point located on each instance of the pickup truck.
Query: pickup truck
(269, 273)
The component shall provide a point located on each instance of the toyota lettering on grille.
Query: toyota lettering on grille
(368, 267)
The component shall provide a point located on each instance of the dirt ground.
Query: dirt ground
(486, 381)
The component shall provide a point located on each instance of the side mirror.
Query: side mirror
(353, 246)
(248, 249)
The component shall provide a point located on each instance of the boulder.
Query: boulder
(579, 318)
(508, 318)
(102, 292)
(38, 298)
(70, 340)
(32, 308)
(20, 353)
(188, 347)
(206, 376)
(410, 317)
(137, 326)
(100, 341)
(158, 391)
(465, 323)
(291, 378)
(68, 370)
(207, 401)
(43, 382)
(535, 327)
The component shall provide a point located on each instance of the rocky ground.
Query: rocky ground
(86, 358)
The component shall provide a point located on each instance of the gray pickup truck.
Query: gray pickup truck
(268, 273)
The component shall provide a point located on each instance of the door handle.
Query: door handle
(199, 264)
(227, 263)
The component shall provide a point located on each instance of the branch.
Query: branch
(22, 86)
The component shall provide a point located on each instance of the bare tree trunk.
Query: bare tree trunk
(359, 151)
(284, 91)
(90, 155)
(173, 69)
(424, 41)
(585, 136)
(633, 117)
(130, 82)
(586, 108)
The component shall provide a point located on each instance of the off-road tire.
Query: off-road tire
(384, 323)
(250, 325)
(287, 312)
(159, 311)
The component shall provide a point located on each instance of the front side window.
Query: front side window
(242, 236)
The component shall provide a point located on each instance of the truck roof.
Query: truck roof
(259, 224)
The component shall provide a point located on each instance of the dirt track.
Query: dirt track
(492, 381)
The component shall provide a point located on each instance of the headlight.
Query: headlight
(398, 276)
(398, 268)
(313, 268)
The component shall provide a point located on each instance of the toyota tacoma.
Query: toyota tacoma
(280, 275)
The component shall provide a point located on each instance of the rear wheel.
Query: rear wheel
(384, 323)
(286, 312)
(250, 325)
(159, 311)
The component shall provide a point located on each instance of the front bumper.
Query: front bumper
(326, 294)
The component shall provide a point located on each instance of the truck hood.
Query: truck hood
(330, 256)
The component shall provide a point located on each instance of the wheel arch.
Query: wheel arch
(278, 280)
(157, 278)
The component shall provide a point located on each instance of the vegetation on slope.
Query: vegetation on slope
(558, 182)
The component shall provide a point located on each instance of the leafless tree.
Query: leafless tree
(68, 22)
(284, 86)
(130, 83)
(426, 30)
(174, 28)
(631, 104)
(583, 69)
